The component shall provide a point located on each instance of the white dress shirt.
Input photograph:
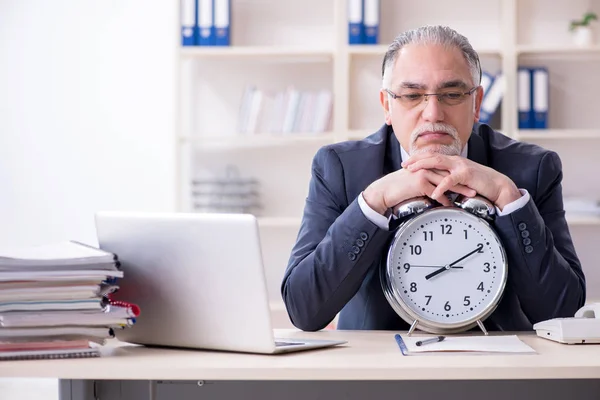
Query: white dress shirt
(383, 222)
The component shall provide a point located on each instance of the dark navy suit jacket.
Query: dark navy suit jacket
(325, 276)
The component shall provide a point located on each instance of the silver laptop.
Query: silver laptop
(198, 279)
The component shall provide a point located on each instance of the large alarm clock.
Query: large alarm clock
(446, 268)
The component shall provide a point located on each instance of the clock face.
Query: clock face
(447, 266)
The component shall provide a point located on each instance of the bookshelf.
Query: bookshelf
(275, 44)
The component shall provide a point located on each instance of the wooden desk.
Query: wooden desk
(368, 356)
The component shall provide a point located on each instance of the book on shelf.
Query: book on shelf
(371, 21)
(222, 22)
(205, 22)
(363, 22)
(492, 97)
(533, 97)
(290, 111)
(187, 15)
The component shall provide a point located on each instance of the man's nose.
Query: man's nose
(433, 111)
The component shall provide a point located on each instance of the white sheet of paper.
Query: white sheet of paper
(62, 252)
(476, 344)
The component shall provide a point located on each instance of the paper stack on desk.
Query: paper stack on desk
(507, 344)
(55, 301)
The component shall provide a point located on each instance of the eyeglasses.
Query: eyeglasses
(450, 98)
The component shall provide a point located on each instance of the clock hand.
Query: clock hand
(448, 266)
(433, 266)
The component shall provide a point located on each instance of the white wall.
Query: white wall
(87, 114)
(87, 119)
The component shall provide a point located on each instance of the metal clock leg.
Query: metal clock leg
(413, 327)
(485, 332)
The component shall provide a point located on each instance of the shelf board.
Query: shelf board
(381, 49)
(582, 220)
(277, 306)
(367, 50)
(359, 134)
(279, 222)
(256, 52)
(542, 134)
(259, 140)
(557, 50)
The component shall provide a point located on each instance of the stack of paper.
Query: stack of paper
(54, 298)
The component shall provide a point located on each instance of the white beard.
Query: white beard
(453, 149)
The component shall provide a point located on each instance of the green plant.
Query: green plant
(586, 20)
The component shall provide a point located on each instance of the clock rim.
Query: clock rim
(406, 312)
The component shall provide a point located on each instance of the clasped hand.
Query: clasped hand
(432, 175)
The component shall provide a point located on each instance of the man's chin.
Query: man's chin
(445, 149)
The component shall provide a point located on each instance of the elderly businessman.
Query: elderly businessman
(431, 144)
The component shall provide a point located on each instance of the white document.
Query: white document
(51, 293)
(47, 275)
(52, 305)
(56, 331)
(30, 319)
(50, 354)
(55, 254)
(465, 344)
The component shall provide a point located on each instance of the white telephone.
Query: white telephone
(584, 327)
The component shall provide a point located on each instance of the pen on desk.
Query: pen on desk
(432, 340)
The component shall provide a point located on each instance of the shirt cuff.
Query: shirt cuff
(372, 215)
(515, 205)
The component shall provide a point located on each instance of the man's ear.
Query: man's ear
(384, 100)
(477, 105)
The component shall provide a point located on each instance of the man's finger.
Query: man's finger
(443, 200)
(421, 156)
(417, 157)
(437, 178)
(430, 184)
(438, 162)
(464, 190)
(446, 184)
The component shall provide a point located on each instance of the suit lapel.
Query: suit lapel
(393, 155)
(477, 150)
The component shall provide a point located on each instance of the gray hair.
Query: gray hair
(441, 35)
